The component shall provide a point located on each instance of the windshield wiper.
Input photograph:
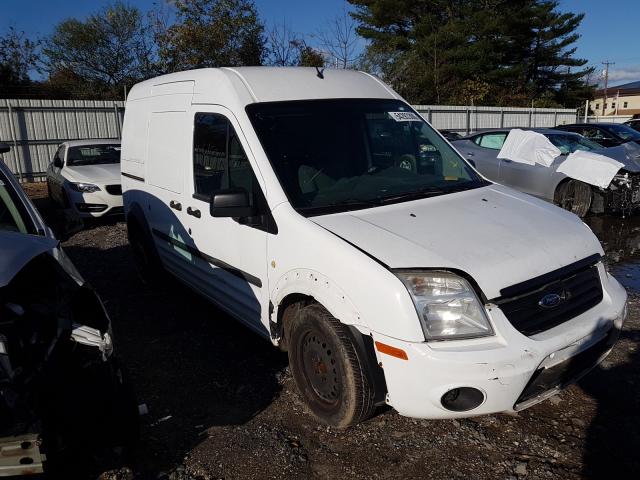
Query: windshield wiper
(346, 205)
(430, 192)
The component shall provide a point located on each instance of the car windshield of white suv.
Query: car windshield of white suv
(12, 215)
(568, 143)
(93, 155)
(340, 155)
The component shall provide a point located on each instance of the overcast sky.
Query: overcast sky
(609, 30)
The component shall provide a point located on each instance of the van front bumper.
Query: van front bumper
(510, 370)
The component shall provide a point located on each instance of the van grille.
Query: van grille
(578, 286)
(114, 189)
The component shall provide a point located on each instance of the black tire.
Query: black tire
(574, 196)
(327, 370)
(145, 258)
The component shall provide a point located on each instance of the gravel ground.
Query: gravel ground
(222, 403)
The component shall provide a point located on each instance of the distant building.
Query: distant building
(621, 100)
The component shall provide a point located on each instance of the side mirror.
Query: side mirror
(57, 162)
(4, 148)
(231, 203)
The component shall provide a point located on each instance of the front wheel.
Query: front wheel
(327, 370)
(574, 196)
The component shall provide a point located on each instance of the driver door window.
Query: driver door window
(219, 161)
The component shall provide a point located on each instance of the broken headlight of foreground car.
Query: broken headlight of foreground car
(447, 305)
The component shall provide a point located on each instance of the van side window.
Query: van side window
(219, 161)
(209, 153)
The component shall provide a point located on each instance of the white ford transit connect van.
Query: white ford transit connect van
(325, 214)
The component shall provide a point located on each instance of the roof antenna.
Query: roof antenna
(320, 72)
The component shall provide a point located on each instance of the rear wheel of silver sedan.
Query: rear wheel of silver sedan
(326, 368)
(575, 196)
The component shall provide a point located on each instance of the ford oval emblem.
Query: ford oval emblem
(550, 300)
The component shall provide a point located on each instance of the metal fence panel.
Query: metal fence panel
(36, 127)
(467, 119)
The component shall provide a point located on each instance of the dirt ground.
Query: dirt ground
(222, 403)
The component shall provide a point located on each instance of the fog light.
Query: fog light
(462, 399)
(91, 207)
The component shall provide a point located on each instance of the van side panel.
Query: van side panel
(134, 134)
(166, 150)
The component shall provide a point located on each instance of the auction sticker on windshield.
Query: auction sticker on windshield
(405, 117)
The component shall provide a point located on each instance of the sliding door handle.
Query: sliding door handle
(193, 212)
(175, 205)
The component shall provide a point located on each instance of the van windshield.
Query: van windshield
(339, 155)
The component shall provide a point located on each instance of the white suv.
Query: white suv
(320, 210)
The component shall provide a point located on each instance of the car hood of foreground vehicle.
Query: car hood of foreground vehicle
(627, 153)
(18, 249)
(104, 174)
(497, 235)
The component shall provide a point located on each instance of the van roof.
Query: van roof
(264, 84)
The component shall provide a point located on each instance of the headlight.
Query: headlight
(447, 305)
(85, 187)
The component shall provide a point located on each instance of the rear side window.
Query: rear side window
(493, 141)
(219, 161)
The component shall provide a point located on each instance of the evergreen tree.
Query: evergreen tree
(438, 51)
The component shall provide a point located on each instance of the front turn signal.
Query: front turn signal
(392, 351)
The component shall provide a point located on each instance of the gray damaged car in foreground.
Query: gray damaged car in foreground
(65, 405)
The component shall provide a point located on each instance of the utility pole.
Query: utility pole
(606, 83)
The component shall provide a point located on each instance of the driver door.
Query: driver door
(230, 253)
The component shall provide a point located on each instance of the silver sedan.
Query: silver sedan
(622, 195)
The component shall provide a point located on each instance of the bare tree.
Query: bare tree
(340, 41)
(282, 47)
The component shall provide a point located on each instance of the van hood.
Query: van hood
(105, 174)
(496, 235)
(18, 249)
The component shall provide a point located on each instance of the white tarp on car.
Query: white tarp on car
(528, 147)
(590, 168)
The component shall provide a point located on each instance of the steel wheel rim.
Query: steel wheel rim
(320, 367)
